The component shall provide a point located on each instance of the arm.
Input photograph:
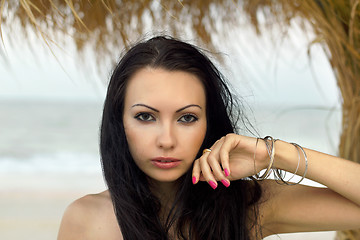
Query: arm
(301, 208)
(289, 208)
(340, 175)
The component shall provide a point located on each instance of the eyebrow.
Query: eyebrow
(155, 110)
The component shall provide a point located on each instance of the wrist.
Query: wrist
(269, 146)
(262, 159)
(286, 156)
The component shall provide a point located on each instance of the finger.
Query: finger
(214, 161)
(202, 178)
(196, 172)
(217, 171)
(217, 143)
(206, 170)
(230, 141)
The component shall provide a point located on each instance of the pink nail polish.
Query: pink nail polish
(226, 183)
(193, 180)
(212, 184)
(226, 172)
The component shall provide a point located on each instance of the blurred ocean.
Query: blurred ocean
(61, 137)
(49, 137)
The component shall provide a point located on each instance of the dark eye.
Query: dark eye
(146, 117)
(188, 118)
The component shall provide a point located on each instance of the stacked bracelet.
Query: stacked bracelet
(306, 163)
(279, 174)
(271, 153)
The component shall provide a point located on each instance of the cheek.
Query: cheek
(133, 143)
(194, 139)
(135, 139)
(131, 139)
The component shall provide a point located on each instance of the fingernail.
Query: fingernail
(212, 184)
(226, 183)
(193, 180)
(226, 172)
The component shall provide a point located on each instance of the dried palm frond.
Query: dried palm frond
(108, 25)
(336, 24)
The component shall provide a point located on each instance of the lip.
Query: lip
(165, 162)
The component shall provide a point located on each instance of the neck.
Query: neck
(165, 191)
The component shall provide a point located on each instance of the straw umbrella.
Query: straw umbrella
(336, 24)
(108, 24)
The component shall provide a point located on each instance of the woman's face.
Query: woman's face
(164, 121)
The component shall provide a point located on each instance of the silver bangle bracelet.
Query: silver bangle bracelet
(279, 174)
(271, 153)
(306, 163)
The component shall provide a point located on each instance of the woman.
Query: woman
(175, 169)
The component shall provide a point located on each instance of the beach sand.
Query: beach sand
(31, 215)
(32, 205)
(304, 236)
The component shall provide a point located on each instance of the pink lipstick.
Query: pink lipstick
(165, 162)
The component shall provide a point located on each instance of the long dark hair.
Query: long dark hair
(198, 212)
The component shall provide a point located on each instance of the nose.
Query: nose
(166, 138)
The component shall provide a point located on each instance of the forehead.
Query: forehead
(158, 86)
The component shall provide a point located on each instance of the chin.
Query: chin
(166, 177)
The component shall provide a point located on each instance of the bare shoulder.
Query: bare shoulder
(90, 217)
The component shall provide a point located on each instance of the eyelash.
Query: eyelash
(194, 118)
(140, 117)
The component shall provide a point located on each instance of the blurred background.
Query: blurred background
(53, 76)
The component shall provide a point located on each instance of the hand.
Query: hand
(231, 158)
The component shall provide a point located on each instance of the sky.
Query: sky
(262, 71)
